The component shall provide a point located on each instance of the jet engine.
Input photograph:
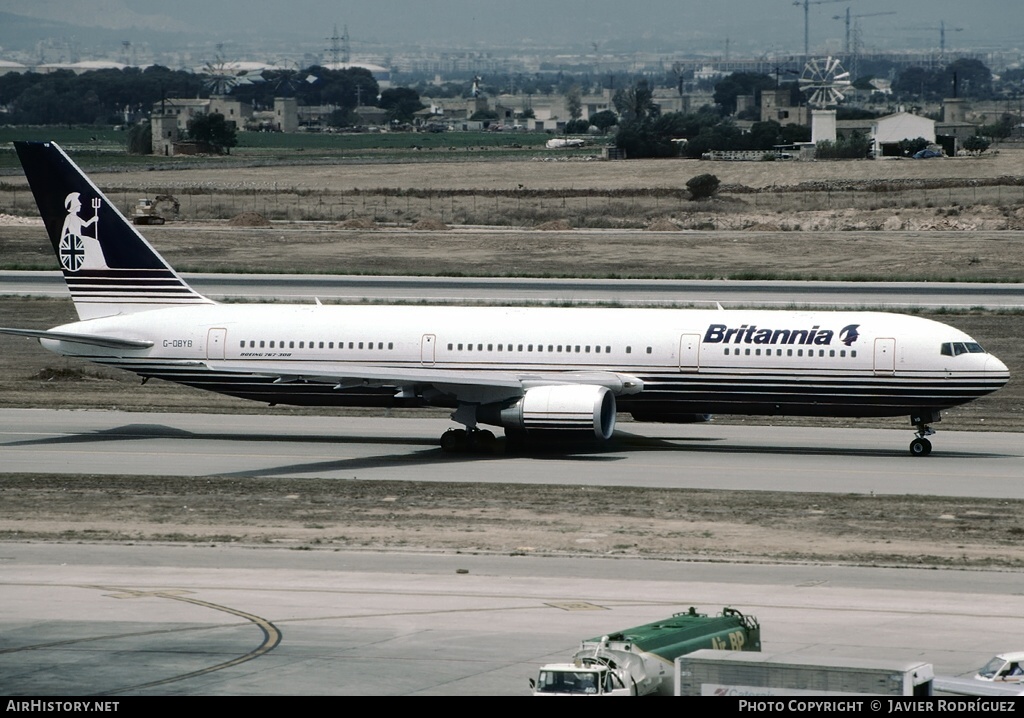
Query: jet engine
(565, 407)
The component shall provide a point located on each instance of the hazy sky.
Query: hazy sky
(751, 26)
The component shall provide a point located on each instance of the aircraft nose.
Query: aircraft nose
(995, 366)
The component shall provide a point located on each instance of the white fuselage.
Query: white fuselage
(691, 362)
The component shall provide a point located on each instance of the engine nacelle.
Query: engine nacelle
(565, 407)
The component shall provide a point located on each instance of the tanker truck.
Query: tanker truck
(639, 661)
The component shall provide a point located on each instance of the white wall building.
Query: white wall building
(889, 130)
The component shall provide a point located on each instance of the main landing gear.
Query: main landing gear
(471, 439)
(921, 446)
(468, 440)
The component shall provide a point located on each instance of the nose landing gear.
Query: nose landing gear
(921, 446)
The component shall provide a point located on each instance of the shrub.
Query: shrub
(703, 186)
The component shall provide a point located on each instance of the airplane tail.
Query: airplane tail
(108, 266)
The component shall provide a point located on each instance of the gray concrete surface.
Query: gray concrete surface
(79, 619)
(983, 464)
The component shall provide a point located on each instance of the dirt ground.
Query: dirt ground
(675, 525)
(554, 173)
(959, 232)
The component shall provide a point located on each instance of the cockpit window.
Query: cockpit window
(952, 349)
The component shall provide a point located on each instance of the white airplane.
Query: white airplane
(524, 369)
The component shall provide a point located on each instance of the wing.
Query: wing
(90, 339)
(467, 386)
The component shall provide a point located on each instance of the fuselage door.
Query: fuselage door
(885, 356)
(689, 352)
(427, 345)
(216, 339)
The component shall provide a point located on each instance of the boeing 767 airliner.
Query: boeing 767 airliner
(526, 369)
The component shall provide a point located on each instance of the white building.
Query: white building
(888, 131)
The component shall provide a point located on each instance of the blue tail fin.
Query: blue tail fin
(109, 267)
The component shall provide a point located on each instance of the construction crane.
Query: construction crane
(942, 35)
(807, 20)
(846, 45)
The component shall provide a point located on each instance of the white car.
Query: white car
(1005, 668)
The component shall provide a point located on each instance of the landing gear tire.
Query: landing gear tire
(920, 447)
(484, 440)
(473, 440)
(454, 440)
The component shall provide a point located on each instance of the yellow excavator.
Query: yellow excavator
(149, 211)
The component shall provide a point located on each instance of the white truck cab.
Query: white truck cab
(1004, 668)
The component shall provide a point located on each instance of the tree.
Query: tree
(740, 83)
(604, 119)
(401, 103)
(574, 102)
(703, 186)
(976, 143)
(910, 147)
(638, 133)
(1000, 129)
(636, 103)
(973, 78)
(342, 118)
(577, 127)
(855, 147)
(214, 130)
(140, 139)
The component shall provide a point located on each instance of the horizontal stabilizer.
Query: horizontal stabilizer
(91, 339)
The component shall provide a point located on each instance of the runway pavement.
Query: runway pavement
(102, 620)
(647, 292)
(982, 464)
(212, 619)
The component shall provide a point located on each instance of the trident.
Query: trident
(96, 202)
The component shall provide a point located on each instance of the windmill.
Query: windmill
(220, 77)
(824, 82)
